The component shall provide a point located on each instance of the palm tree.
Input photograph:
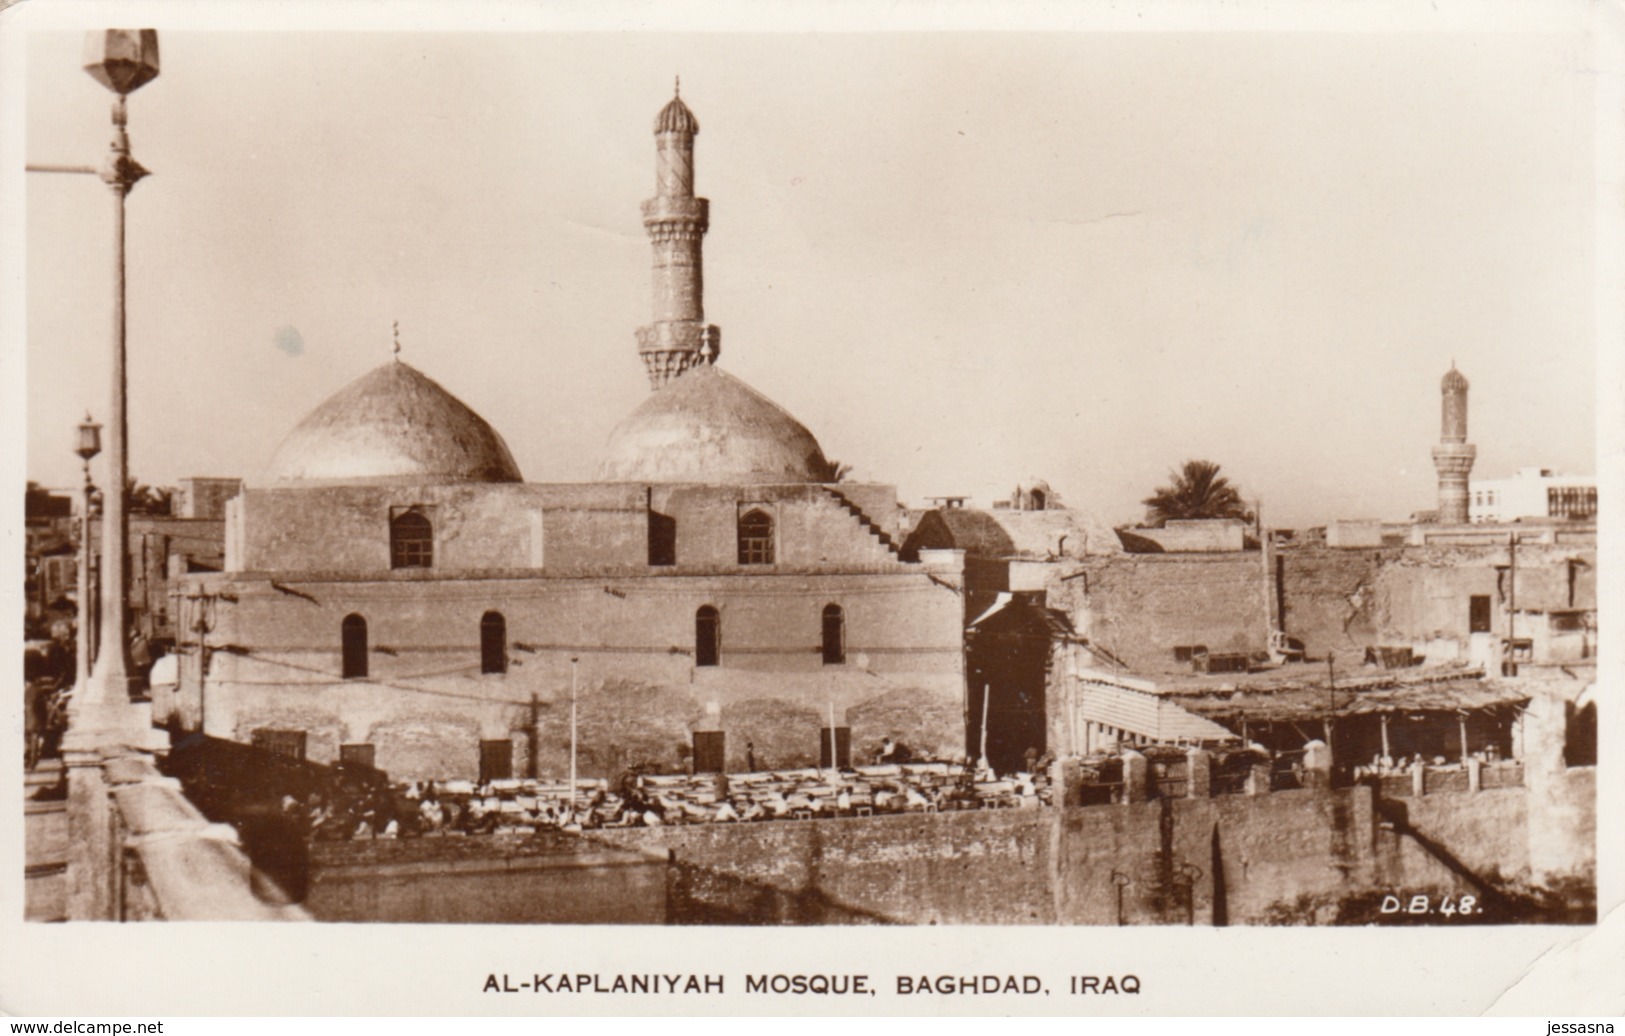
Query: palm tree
(834, 471)
(1195, 491)
(148, 500)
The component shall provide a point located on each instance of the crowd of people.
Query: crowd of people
(353, 809)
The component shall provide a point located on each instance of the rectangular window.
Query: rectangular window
(843, 748)
(1478, 614)
(709, 748)
(493, 643)
(496, 761)
(834, 645)
(662, 539)
(1567, 622)
(1571, 502)
(287, 743)
(358, 755)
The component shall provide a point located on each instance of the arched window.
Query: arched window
(756, 538)
(1039, 500)
(354, 634)
(493, 643)
(707, 636)
(411, 540)
(834, 635)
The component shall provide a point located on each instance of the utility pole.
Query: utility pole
(573, 660)
(1509, 667)
(1331, 694)
(533, 732)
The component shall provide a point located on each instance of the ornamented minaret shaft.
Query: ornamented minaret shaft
(1454, 455)
(679, 337)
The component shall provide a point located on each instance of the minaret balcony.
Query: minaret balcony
(674, 209)
(683, 336)
(1454, 458)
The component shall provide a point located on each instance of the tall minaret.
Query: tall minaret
(679, 337)
(1454, 455)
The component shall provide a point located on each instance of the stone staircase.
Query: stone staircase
(865, 521)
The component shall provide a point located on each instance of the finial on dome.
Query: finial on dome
(675, 116)
(677, 86)
(1454, 380)
(397, 326)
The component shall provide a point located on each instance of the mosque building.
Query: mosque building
(396, 594)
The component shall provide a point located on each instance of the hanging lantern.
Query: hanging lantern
(90, 439)
(123, 60)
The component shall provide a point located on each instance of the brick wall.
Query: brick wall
(640, 695)
(1140, 607)
(955, 868)
(561, 529)
(485, 881)
(1287, 858)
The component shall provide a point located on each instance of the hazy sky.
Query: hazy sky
(960, 260)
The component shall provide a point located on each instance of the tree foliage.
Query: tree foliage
(148, 500)
(834, 471)
(1195, 491)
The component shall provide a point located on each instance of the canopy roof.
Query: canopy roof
(1294, 696)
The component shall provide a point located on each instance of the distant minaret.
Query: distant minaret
(1454, 455)
(679, 337)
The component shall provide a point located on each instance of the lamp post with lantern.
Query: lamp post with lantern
(102, 715)
(123, 60)
(90, 444)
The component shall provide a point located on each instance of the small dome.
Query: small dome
(676, 118)
(1453, 381)
(393, 425)
(708, 426)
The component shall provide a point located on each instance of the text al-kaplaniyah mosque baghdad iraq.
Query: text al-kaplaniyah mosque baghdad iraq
(395, 597)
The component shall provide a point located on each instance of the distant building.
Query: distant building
(205, 497)
(1187, 536)
(48, 563)
(1533, 493)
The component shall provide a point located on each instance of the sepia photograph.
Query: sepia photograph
(534, 475)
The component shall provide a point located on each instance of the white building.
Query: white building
(1533, 493)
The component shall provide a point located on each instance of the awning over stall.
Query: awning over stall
(1284, 702)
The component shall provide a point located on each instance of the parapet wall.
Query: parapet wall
(954, 868)
(1298, 857)
(139, 850)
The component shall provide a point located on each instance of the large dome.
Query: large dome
(708, 426)
(393, 425)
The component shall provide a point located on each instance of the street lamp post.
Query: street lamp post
(90, 444)
(102, 716)
(123, 60)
